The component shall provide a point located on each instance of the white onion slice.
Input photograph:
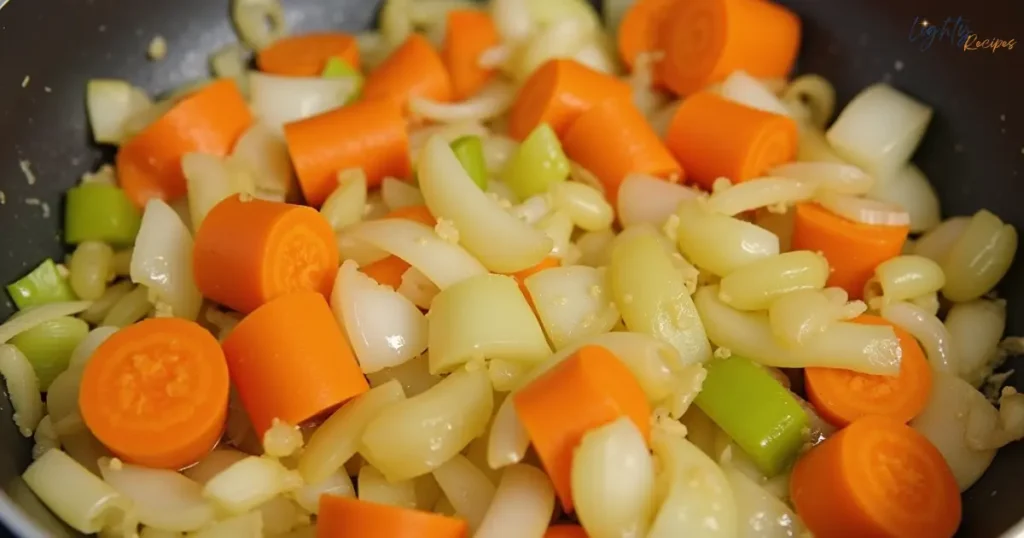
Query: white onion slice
(339, 484)
(572, 302)
(697, 498)
(277, 100)
(262, 151)
(161, 498)
(211, 179)
(910, 189)
(259, 22)
(746, 90)
(374, 488)
(76, 496)
(350, 248)
(467, 488)
(347, 204)
(522, 505)
(248, 525)
(83, 352)
(250, 483)
(162, 260)
(213, 464)
(512, 19)
(23, 388)
(928, 330)
(508, 439)
(36, 315)
(398, 194)
(492, 101)
(834, 177)
(418, 288)
(110, 104)
(761, 192)
(761, 514)
(864, 211)
(975, 328)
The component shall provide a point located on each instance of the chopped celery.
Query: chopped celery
(537, 164)
(100, 212)
(470, 151)
(45, 284)
(338, 68)
(755, 410)
(48, 346)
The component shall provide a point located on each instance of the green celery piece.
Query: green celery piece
(470, 151)
(338, 68)
(538, 164)
(100, 212)
(48, 346)
(760, 415)
(43, 285)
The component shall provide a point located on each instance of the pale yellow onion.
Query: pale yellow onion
(483, 316)
(131, 307)
(497, 150)
(651, 200)
(62, 395)
(572, 302)
(417, 435)
(230, 61)
(45, 437)
(585, 205)
(869, 349)
(929, 302)
(476, 452)
(749, 91)
(937, 243)
(558, 226)
(249, 483)
(395, 23)
(653, 298)
(162, 260)
(905, 277)
(696, 498)
(928, 330)
(975, 328)
(813, 147)
(759, 513)
(210, 179)
(91, 267)
(863, 210)
(160, 498)
(276, 100)
(258, 22)
(36, 315)
(280, 515)
(350, 248)
(83, 352)
(561, 39)
(756, 286)
(491, 101)
(909, 189)
(101, 307)
(718, 243)
(818, 94)
(512, 19)
(418, 288)
(442, 262)
(248, 525)
(641, 82)
(508, 439)
(760, 192)
(23, 388)
(504, 374)
(109, 104)
(282, 439)
(467, 488)
(800, 314)
(980, 258)
(595, 248)
(347, 203)
(613, 481)
(418, 137)
(213, 464)
(414, 376)
(533, 209)
(337, 439)
(75, 495)
(600, 54)
(836, 177)
(338, 484)
(879, 129)
(398, 194)
(522, 505)
(374, 488)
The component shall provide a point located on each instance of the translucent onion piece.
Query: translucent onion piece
(282, 440)
(880, 129)
(522, 505)
(599, 54)
(501, 242)
(277, 100)
(975, 328)
(337, 439)
(613, 481)
(395, 24)
(75, 495)
(497, 150)
(244, 526)
(757, 285)
(33, 316)
(835, 177)
(864, 210)
(162, 260)
(417, 435)
(418, 288)
(211, 179)
(505, 374)
(595, 248)
(695, 496)
(491, 102)
(533, 209)
(814, 147)
(258, 22)
(374, 488)
(928, 330)
(45, 438)
(110, 104)
(213, 464)
(757, 193)
(800, 314)
(483, 317)
(559, 227)
(585, 205)
(398, 194)
(909, 189)
(230, 61)
(338, 484)
(83, 352)
(979, 258)
(761, 514)
(250, 483)
(508, 439)
(413, 375)
(160, 498)
(467, 488)
(747, 90)
(870, 349)
(358, 251)
(736, 243)
(572, 302)
(347, 204)
(279, 515)
(562, 39)
(442, 262)
(647, 199)
(641, 82)
(905, 277)
(939, 241)
(512, 19)
(23, 388)
(816, 93)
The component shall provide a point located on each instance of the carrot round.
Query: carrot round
(414, 69)
(468, 34)
(853, 249)
(289, 360)
(706, 40)
(249, 252)
(639, 29)
(587, 390)
(352, 518)
(713, 137)
(208, 121)
(876, 477)
(612, 153)
(557, 93)
(156, 393)
(306, 55)
(842, 396)
(565, 531)
(369, 134)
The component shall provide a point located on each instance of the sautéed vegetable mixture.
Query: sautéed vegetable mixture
(510, 270)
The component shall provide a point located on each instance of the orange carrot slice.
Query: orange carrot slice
(706, 40)
(713, 137)
(876, 477)
(413, 70)
(289, 360)
(565, 531)
(842, 396)
(585, 391)
(852, 249)
(468, 34)
(610, 154)
(639, 29)
(208, 121)
(369, 134)
(557, 93)
(306, 55)
(249, 252)
(156, 393)
(352, 518)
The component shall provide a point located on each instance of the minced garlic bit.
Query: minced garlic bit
(446, 230)
(162, 310)
(723, 353)
(157, 48)
(721, 184)
(662, 420)
(282, 439)
(24, 81)
(116, 464)
(26, 168)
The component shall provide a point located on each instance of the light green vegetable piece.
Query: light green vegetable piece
(100, 212)
(43, 285)
(538, 164)
(338, 68)
(470, 152)
(48, 346)
(755, 410)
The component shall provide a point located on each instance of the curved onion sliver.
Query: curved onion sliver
(162, 260)
(161, 498)
(834, 177)
(493, 101)
(864, 210)
(697, 499)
